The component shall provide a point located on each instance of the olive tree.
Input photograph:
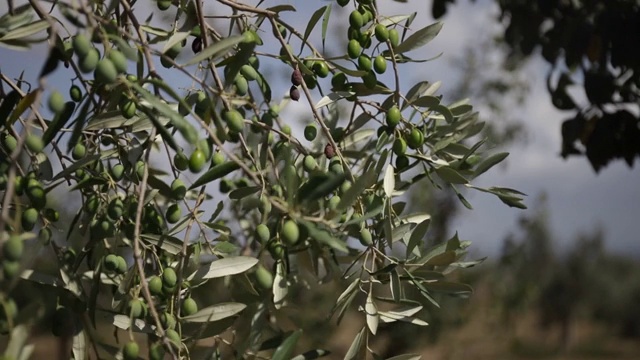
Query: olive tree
(148, 190)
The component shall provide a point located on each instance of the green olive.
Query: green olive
(118, 60)
(110, 263)
(89, 62)
(262, 233)
(290, 232)
(13, 248)
(169, 277)
(380, 64)
(155, 285)
(354, 49)
(393, 116)
(130, 351)
(356, 19)
(117, 172)
(174, 213)
(309, 163)
(394, 37)
(29, 219)
(197, 161)
(105, 72)
(382, 33)
(56, 102)
(181, 161)
(189, 307)
(264, 277)
(81, 45)
(399, 147)
(310, 132)
(79, 151)
(34, 143)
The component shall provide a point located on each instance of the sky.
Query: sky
(578, 199)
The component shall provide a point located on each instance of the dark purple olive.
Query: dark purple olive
(294, 93)
(296, 77)
(329, 151)
(196, 45)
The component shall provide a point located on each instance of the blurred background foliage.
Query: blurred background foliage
(592, 46)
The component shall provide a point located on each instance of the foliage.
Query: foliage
(562, 286)
(592, 45)
(290, 213)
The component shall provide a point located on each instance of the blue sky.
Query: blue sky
(578, 199)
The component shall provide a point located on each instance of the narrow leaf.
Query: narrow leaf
(325, 23)
(372, 314)
(58, 122)
(320, 186)
(419, 38)
(23, 104)
(417, 235)
(27, 30)
(332, 97)
(224, 267)
(450, 175)
(243, 192)
(449, 288)
(216, 50)
(312, 23)
(389, 181)
(79, 347)
(284, 351)
(489, 162)
(356, 349)
(280, 286)
(215, 312)
(356, 137)
(215, 173)
(351, 195)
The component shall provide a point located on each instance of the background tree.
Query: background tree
(151, 125)
(591, 45)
